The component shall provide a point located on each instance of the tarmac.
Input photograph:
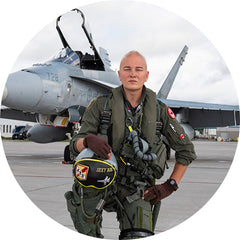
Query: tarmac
(39, 171)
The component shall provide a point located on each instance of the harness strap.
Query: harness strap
(159, 123)
(105, 119)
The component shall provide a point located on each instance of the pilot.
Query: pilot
(134, 126)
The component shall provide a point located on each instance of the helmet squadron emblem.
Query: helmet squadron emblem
(81, 172)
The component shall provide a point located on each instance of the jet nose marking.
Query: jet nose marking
(23, 91)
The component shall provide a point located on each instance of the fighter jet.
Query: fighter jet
(55, 94)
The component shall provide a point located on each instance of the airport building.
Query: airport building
(8, 125)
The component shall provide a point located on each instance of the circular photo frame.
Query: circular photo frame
(41, 93)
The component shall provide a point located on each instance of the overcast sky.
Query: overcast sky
(158, 34)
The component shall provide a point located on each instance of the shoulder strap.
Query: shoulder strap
(158, 119)
(105, 115)
(105, 121)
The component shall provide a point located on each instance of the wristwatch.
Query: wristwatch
(173, 183)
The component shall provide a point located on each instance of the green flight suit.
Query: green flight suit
(131, 183)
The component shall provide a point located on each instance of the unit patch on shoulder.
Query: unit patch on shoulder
(171, 113)
(81, 172)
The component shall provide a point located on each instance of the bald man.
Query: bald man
(136, 121)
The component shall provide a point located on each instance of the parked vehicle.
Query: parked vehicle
(20, 132)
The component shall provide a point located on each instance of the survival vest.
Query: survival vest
(158, 147)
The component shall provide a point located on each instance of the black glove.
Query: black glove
(97, 145)
(158, 192)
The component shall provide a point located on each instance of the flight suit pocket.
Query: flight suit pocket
(72, 208)
(81, 221)
(158, 165)
(144, 219)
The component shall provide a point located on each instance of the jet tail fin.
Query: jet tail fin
(167, 85)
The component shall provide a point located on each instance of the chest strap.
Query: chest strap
(105, 120)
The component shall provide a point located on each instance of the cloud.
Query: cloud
(158, 34)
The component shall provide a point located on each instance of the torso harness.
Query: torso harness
(135, 153)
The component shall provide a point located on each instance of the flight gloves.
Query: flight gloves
(97, 145)
(158, 192)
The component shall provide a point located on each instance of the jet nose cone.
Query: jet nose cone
(5, 93)
(23, 91)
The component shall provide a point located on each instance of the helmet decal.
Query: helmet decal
(81, 172)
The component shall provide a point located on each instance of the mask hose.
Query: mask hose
(140, 151)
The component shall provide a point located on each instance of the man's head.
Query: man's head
(133, 71)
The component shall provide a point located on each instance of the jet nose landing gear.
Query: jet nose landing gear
(67, 156)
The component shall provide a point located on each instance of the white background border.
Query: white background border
(217, 20)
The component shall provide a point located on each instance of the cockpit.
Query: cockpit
(66, 55)
(77, 58)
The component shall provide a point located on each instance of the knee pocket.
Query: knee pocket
(144, 218)
(71, 207)
(74, 210)
(83, 224)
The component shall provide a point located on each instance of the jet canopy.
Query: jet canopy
(77, 58)
(66, 55)
(86, 61)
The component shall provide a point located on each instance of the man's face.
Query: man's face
(133, 72)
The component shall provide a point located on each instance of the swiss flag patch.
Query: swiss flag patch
(171, 113)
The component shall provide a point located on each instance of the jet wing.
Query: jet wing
(204, 115)
(17, 115)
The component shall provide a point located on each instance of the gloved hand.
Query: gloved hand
(158, 192)
(97, 145)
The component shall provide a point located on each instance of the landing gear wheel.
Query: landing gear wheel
(67, 159)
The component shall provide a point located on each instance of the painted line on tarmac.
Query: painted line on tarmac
(32, 176)
(201, 182)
